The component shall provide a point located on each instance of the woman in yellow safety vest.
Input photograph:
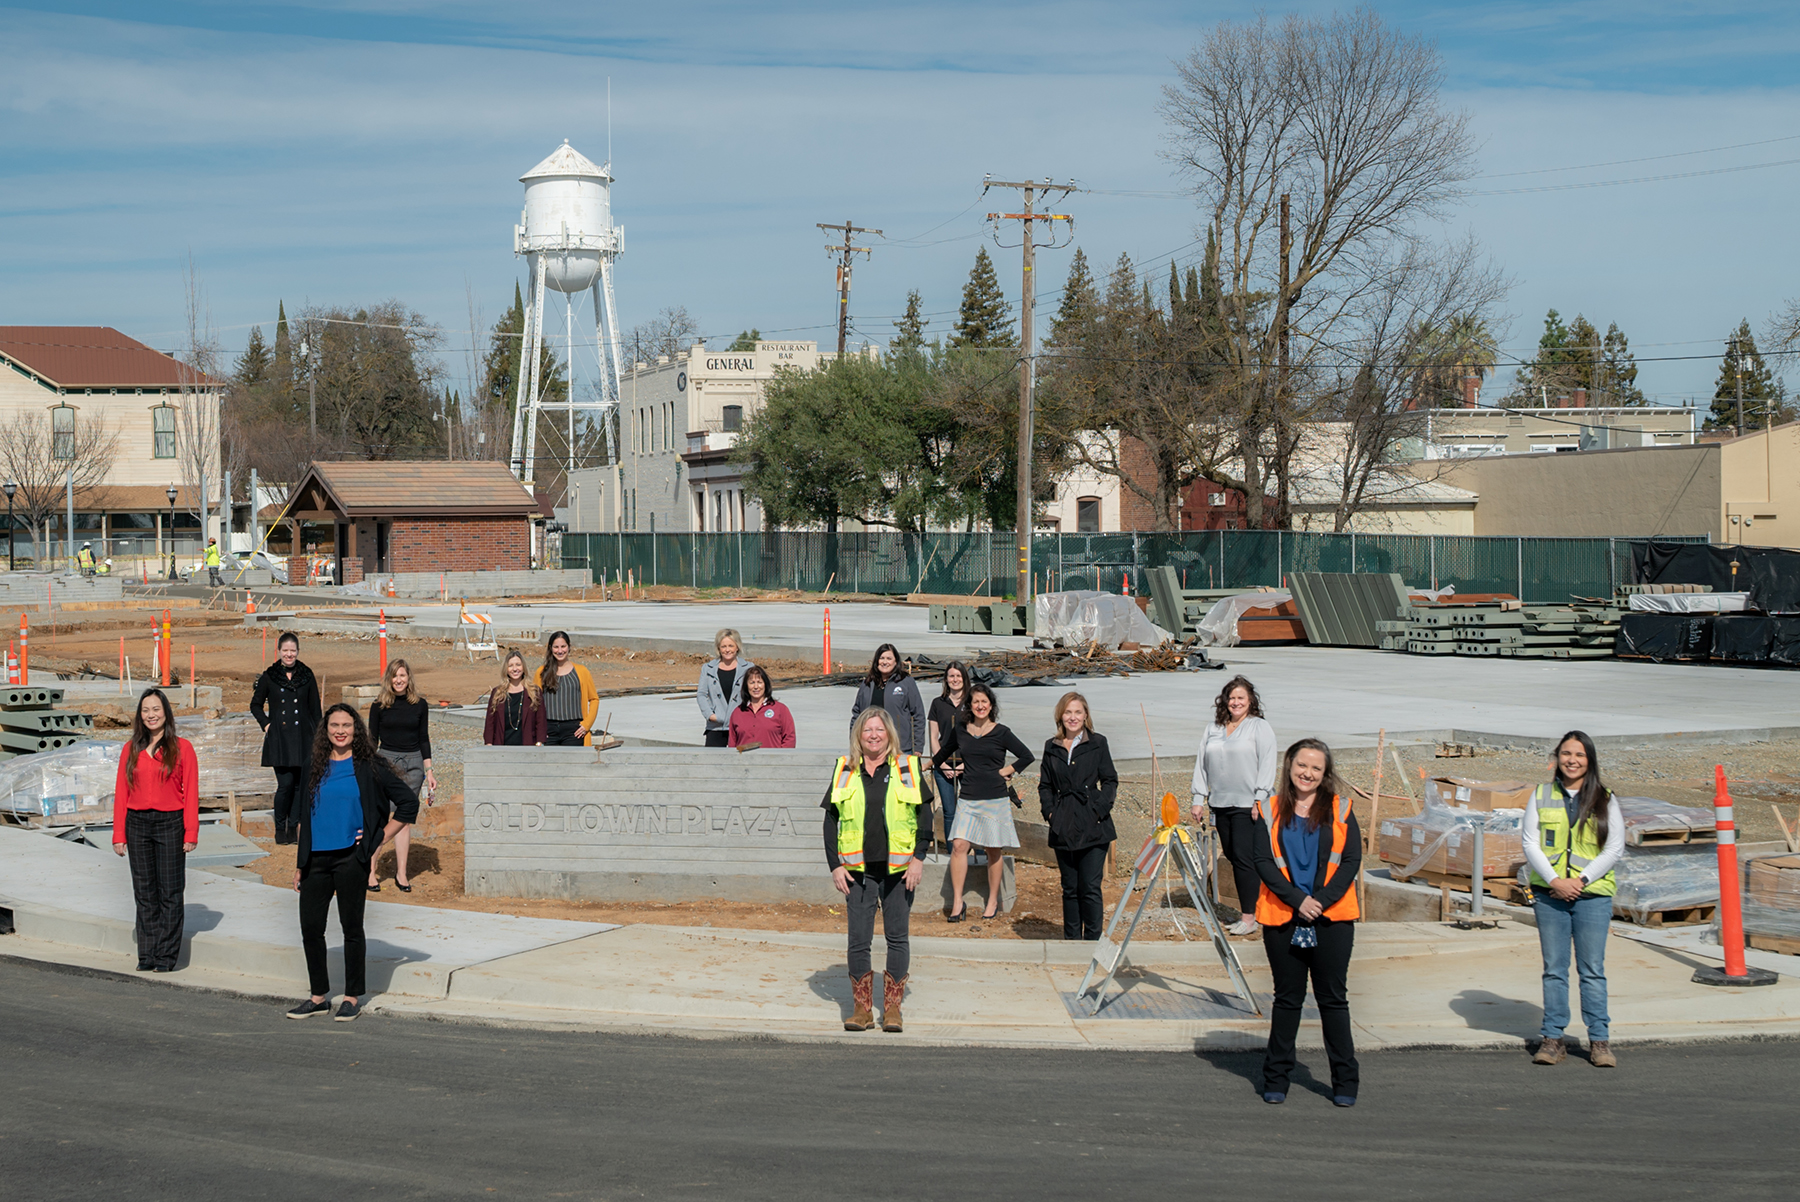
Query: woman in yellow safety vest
(1308, 849)
(876, 856)
(1574, 833)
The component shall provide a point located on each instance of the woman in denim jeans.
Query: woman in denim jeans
(1574, 833)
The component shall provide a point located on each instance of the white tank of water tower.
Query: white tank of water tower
(568, 219)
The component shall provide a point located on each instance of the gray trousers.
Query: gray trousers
(895, 900)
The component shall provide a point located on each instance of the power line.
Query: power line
(1649, 158)
(1642, 179)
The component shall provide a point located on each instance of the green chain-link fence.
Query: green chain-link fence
(1535, 569)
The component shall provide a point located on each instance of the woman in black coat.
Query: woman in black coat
(1077, 785)
(286, 705)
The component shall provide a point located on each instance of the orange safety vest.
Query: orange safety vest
(1271, 911)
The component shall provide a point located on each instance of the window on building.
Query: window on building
(1087, 515)
(668, 426)
(700, 509)
(734, 418)
(162, 432)
(62, 432)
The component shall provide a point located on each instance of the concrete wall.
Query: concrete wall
(34, 589)
(484, 584)
(1636, 493)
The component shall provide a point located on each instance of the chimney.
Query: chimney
(1580, 399)
(1562, 402)
(1471, 392)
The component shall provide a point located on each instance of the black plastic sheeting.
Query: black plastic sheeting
(1744, 640)
(1771, 575)
(1665, 636)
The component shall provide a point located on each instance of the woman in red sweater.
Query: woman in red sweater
(156, 822)
(760, 719)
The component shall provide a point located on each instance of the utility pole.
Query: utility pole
(1028, 356)
(1283, 304)
(1737, 361)
(844, 254)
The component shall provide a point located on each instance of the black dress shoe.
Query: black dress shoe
(144, 966)
(164, 968)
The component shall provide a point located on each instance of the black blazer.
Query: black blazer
(383, 793)
(1342, 881)
(1076, 796)
(288, 711)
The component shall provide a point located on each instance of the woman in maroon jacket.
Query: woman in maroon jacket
(515, 716)
(760, 719)
(156, 822)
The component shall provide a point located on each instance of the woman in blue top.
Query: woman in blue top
(357, 803)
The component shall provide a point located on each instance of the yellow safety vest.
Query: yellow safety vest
(1568, 851)
(901, 810)
(85, 558)
(212, 556)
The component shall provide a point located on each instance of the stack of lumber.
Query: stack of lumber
(1508, 628)
(30, 723)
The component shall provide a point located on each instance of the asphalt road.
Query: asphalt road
(114, 1087)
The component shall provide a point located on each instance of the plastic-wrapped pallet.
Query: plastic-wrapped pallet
(1080, 617)
(1771, 895)
(1649, 821)
(71, 784)
(230, 754)
(1658, 879)
(1442, 840)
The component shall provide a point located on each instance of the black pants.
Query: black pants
(718, 738)
(564, 734)
(158, 881)
(895, 902)
(1237, 839)
(342, 874)
(1084, 909)
(287, 795)
(1328, 965)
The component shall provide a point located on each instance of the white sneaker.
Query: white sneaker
(1243, 926)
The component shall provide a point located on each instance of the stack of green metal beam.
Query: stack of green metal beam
(28, 722)
(1505, 628)
(1347, 609)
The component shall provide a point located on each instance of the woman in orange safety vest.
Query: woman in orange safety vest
(1308, 850)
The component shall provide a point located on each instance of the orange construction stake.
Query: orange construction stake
(24, 650)
(121, 663)
(193, 685)
(167, 649)
(827, 668)
(384, 643)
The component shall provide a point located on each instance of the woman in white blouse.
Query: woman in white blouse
(1234, 772)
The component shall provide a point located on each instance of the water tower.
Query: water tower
(569, 242)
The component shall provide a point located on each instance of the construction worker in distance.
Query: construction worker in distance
(1573, 834)
(212, 562)
(84, 559)
(105, 569)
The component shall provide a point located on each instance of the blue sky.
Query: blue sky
(348, 152)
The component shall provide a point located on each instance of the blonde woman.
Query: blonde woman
(721, 687)
(400, 728)
(571, 702)
(515, 716)
(876, 857)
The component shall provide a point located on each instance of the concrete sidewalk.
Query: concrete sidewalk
(1412, 984)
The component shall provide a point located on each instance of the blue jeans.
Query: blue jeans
(946, 791)
(1584, 923)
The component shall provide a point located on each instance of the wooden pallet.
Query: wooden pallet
(1505, 888)
(1787, 945)
(1680, 916)
(1671, 838)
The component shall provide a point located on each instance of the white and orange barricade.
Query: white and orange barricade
(476, 631)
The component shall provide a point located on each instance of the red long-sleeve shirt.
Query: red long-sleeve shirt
(155, 791)
(769, 724)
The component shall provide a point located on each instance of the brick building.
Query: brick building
(401, 515)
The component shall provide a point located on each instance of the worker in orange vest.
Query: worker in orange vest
(1308, 849)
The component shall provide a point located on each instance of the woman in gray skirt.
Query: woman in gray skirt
(984, 811)
(400, 728)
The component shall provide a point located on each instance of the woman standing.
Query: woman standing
(515, 713)
(285, 704)
(1234, 772)
(1574, 834)
(938, 721)
(984, 815)
(156, 823)
(722, 686)
(760, 719)
(355, 803)
(888, 686)
(400, 728)
(571, 702)
(1308, 851)
(1076, 788)
(875, 858)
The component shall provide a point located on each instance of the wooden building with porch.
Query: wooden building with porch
(399, 515)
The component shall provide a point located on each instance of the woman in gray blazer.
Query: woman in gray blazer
(722, 686)
(887, 685)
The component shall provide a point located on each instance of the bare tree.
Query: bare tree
(199, 426)
(1341, 116)
(1783, 332)
(669, 333)
(43, 462)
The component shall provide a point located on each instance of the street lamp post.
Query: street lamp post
(171, 496)
(11, 488)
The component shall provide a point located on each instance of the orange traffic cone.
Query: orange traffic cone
(249, 602)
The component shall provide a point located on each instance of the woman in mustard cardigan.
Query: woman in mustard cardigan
(571, 702)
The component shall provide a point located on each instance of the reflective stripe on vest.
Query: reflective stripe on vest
(1569, 851)
(1271, 911)
(900, 808)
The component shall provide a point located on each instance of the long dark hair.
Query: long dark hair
(1330, 788)
(955, 665)
(875, 679)
(168, 750)
(966, 714)
(362, 748)
(1591, 802)
(547, 673)
(768, 687)
(1222, 703)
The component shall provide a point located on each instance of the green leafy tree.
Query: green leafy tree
(909, 331)
(985, 319)
(745, 341)
(1764, 393)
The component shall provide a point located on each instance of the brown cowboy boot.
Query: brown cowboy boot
(893, 990)
(863, 989)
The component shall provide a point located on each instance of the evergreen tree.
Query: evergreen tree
(1764, 393)
(1080, 304)
(909, 337)
(284, 350)
(506, 349)
(255, 364)
(745, 341)
(1618, 369)
(1551, 374)
(985, 319)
